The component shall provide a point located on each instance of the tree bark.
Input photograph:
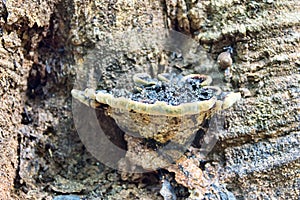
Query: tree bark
(41, 41)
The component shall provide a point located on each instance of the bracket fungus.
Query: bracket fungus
(169, 109)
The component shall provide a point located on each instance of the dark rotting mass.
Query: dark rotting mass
(174, 91)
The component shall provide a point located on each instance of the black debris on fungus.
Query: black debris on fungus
(173, 92)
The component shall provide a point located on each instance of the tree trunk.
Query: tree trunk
(41, 154)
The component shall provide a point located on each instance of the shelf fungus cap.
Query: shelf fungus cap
(166, 95)
(205, 80)
(161, 110)
(157, 108)
(143, 79)
(94, 98)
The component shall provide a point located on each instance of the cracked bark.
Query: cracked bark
(262, 139)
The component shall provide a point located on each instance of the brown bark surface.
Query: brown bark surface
(41, 42)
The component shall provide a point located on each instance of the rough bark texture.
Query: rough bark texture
(42, 156)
